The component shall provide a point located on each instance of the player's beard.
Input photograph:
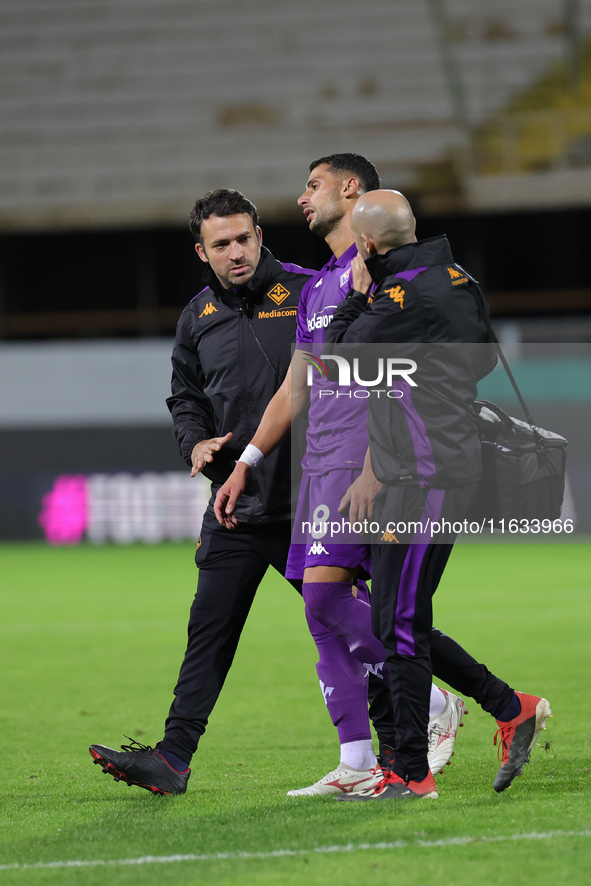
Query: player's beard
(326, 220)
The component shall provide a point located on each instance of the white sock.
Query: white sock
(438, 701)
(358, 754)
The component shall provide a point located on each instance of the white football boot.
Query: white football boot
(443, 730)
(342, 780)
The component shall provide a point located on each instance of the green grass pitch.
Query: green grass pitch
(91, 640)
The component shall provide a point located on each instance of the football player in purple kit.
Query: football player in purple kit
(334, 589)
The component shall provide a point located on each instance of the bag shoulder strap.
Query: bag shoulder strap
(479, 298)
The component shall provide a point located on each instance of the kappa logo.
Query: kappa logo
(375, 669)
(396, 294)
(389, 536)
(457, 277)
(207, 310)
(327, 691)
(317, 549)
(278, 294)
(316, 285)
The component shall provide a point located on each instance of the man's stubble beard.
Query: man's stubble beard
(324, 224)
(323, 227)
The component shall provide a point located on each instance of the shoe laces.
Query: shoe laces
(135, 746)
(388, 777)
(433, 739)
(436, 728)
(504, 734)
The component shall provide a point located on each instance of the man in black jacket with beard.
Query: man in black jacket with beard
(232, 351)
(425, 451)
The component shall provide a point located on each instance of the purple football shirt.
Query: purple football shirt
(337, 422)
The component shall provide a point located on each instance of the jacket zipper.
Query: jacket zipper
(241, 315)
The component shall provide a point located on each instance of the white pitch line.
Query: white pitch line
(285, 853)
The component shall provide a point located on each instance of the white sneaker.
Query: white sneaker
(442, 732)
(342, 781)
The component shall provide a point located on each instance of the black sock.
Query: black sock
(175, 762)
(512, 710)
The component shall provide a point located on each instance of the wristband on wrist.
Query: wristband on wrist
(252, 456)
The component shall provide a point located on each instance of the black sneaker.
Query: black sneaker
(392, 787)
(141, 765)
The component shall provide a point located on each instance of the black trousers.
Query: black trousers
(232, 564)
(405, 577)
(452, 664)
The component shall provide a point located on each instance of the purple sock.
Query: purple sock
(334, 606)
(343, 681)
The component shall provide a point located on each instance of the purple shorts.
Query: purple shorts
(320, 535)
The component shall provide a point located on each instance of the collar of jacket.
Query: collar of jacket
(256, 287)
(423, 253)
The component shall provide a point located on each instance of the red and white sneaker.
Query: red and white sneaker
(517, 737)
(442, 732)
(341, 781)
(392, 787)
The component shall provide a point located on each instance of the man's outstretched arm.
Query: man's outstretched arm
(286, 405)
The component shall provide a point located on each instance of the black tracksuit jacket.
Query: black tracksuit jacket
(429, 437)
(231, 353)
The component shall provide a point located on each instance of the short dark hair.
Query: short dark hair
(221, 202)
(354, 163)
